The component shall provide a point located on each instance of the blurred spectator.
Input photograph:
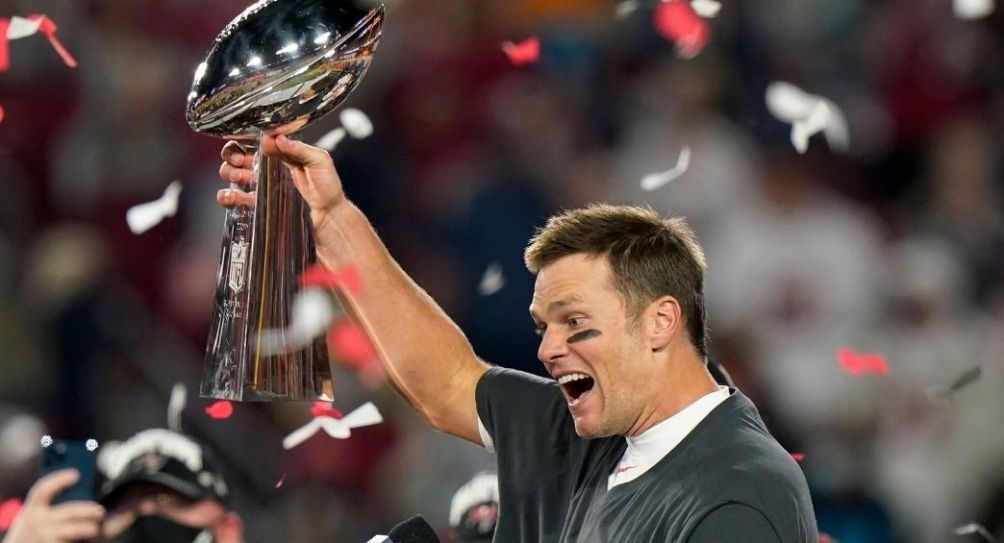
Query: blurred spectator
(474, 510)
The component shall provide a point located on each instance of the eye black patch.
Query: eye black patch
(583, 335)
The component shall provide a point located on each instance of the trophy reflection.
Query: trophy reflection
(277, 67)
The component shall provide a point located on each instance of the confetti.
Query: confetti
(677, 21)
(91, 445)
(21, 27)
(625, 8)
(324, 409)
(356, 123)
(826, 538)
(365, 415)
(143, 217)
(972, 9)
(1, 114)
(310, 317)
(46, 440)
(9, 509)
(653, 181)
(858, 364)
(974, 528)
(798, 456)
(808, 114)
(220, 410)
(176, 405)
(525, 52)
(349, 341)
(330, 140)
(968, 377)
(706, 8)
(345, 278)
(492, 280)
(279, 483)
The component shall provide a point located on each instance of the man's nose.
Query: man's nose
(552, 347)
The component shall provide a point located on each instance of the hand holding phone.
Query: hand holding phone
(42, 522)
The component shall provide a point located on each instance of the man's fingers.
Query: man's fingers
(232, 174)
(235, 153)
(294, 151)
(235, 197)
(48, 487)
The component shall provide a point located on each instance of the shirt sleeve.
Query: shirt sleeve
(734, 523)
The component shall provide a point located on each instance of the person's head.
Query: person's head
(474, 510)
(619, 295)
(165, 487)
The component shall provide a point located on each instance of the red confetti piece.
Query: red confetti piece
(525, 52)
(324, 409)
(281, 480)
(677, 21)
(48, 29)
(1, 114)
(346, 277)
(798, 456)
(861, 363)
(220, 410)
(9, 510)
(352, 345)
(4, 44)
(825, 538)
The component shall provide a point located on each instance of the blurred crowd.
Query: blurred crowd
(895, 247)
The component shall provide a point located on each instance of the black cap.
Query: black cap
(163, 457)
(474, 510)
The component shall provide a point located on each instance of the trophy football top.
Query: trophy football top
(281, 64)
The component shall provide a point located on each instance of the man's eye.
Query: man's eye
(576, 321)
(540, 331)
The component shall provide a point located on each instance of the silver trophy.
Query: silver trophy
(278, 66)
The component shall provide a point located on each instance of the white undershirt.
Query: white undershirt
(647, 449)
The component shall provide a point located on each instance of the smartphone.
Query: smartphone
(62, 454)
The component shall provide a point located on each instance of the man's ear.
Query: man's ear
(665, 318)
(230, 529)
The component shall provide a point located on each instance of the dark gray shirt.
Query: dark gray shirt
(727, 481)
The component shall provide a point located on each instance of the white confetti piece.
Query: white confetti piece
(311, 315)
(625, 8)
(808, 115)
(331, 139)
(653, 181)
(21, 27)
(46, 440)
(492, 281)
(972, 9)
(706, 8)
(356, 123)
(364, 415)
(974, 528)
(143, 217)
(91, 445)
(176, 405)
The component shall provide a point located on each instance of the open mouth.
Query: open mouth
(575, 385)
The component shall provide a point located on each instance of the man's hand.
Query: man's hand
(42, 522)
(312, 171)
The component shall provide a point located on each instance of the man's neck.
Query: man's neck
(686, 380)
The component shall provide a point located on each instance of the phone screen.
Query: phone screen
(62, 454)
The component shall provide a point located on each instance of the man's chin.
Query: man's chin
(585, 430)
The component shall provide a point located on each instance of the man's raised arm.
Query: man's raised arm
(428, 358)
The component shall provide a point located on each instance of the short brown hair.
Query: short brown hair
(650, 256)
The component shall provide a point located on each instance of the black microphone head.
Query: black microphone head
(414, 530)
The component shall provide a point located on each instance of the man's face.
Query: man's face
(148, 499)
(590, 346)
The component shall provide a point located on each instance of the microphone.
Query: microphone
(414, 530)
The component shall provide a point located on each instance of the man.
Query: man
(631, 440)
(162, 487)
